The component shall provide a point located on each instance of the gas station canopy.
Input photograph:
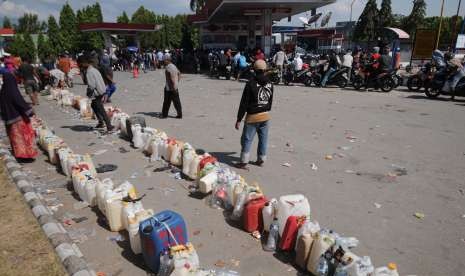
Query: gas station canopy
(226, 10)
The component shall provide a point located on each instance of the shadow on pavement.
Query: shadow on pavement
(226, 157)
(80, 128)
(443, 99)
(154, 114)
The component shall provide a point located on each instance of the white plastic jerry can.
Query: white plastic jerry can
(207, 182)
(85, 178)
(90, 192)
(176, 154)
(309, 227)
(137, 140)
(115, 121)
(291, 205)
(63, 154)
(123, 127)
(321, 243)
(133, 229)
(100, 190)
(163, 150)
(194, 167)
(114, 208)
(268, 213)
(129, 210)
(156, 144)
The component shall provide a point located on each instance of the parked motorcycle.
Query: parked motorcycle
(437, 83)
(339, 77)
(303, 76)
(383, 81)
(224, 71)
(273, 74)
(421, 79)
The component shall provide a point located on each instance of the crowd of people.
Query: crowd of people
(96, 69)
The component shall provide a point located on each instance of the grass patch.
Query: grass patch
(24, 248)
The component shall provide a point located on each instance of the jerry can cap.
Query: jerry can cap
(392, 266)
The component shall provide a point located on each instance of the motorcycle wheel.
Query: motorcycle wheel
(308, 81)
(342, 82)
(358, 82)
(432, 92)
(286, 80)
(387, 84)
(274, 79)
(399, 81)
(414, 83)
(316, 80)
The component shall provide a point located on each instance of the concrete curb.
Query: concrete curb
(68, 252)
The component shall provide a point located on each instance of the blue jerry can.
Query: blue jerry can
(155, 237)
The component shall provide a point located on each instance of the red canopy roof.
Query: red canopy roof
(7, 32)
(118, 27)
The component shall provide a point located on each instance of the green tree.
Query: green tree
(90, 40)
(68, 28)
(398, 20)
(123, 18)
(385, 17)
(30, 50)
(6, 22)
(145, 16)
(416, 17)
(365, 29)
(54, 36)
(17, 47)
(44, 48)
(447, 37)
(28, 23)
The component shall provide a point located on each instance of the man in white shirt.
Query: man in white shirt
(347, 62)
(298, 63)
(171, 93)
(279, 59)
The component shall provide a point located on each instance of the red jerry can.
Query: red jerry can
(289, 237)
(252, 216)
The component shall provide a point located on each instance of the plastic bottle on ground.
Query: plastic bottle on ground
(273, 236)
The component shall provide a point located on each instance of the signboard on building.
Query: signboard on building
(425, 42)
(460, 42)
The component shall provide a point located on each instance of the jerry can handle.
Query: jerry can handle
(167, 228)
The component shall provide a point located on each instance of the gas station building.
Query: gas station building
(246, 24)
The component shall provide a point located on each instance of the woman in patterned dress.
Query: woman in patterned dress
(16, 114)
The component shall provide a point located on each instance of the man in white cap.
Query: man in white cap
(256, 102)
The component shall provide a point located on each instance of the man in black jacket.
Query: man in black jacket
(256, 101)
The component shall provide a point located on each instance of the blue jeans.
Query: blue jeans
(111, 88)
(327, 75)
(248, 134)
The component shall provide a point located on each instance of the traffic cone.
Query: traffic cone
(135, 72)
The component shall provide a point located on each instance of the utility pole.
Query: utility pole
(454, 27)
(350, 23)
(440, 25)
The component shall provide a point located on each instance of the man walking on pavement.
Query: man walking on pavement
(96, 91)
(171, 93)
(256, 101)
(279, 60)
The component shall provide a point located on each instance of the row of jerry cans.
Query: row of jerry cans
(290, 212)
(66, 98)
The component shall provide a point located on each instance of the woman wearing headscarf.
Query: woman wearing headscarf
(16, 114)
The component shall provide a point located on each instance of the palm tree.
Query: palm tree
(196, 5)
